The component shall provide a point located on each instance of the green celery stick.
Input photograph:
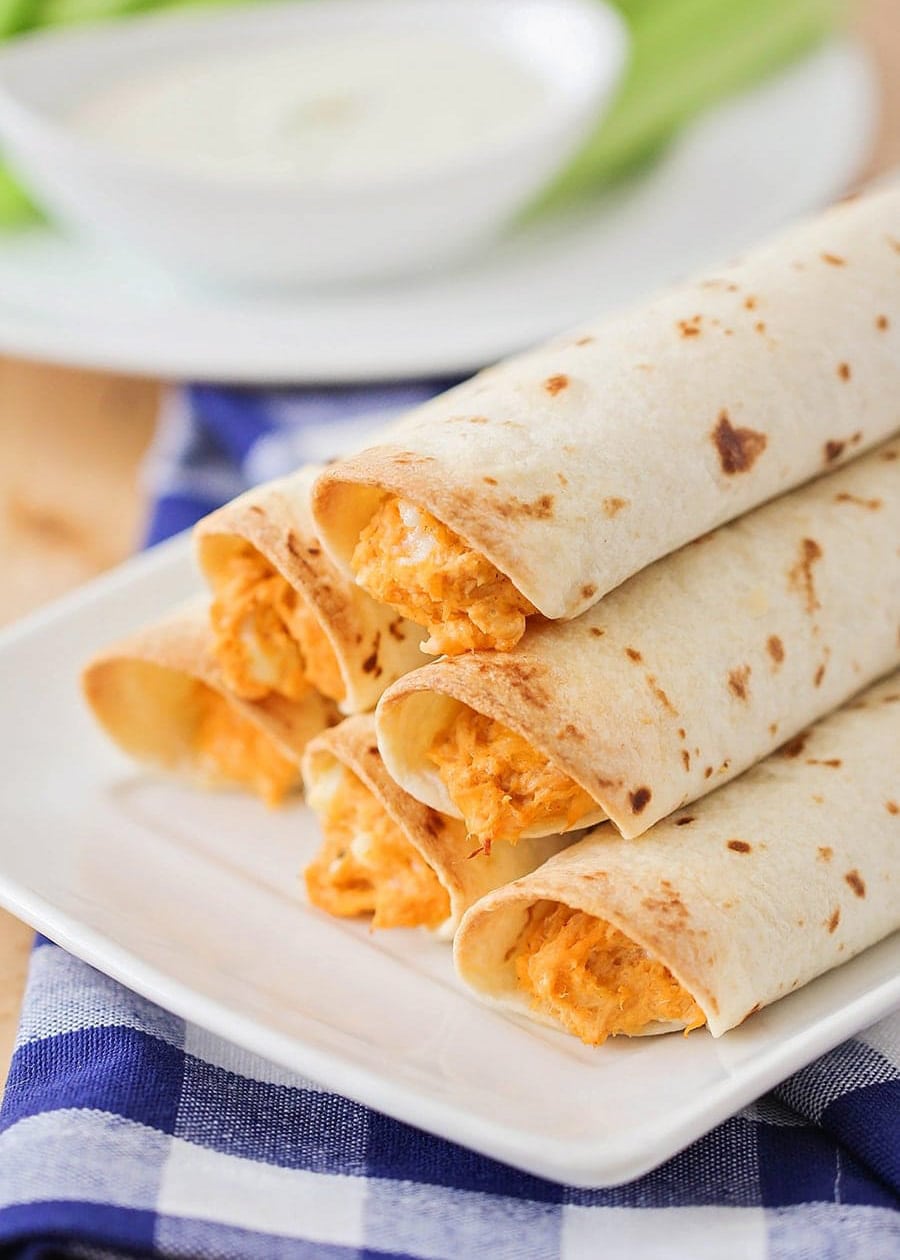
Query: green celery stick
(686, 55)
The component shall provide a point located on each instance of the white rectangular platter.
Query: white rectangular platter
(193, 900)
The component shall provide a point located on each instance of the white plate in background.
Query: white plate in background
(192, 899)
(790, 145)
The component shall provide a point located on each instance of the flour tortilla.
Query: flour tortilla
(777, 878)
(440, 840)
(146, 691)
(695, 668)
(575, 465)
(372, 644)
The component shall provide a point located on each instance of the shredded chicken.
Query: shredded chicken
(267, 639)
(500, 784)
(367, 866)
(410, 560)
(230, 747)
(594, 981)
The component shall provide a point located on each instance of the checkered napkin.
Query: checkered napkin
(125, 1130)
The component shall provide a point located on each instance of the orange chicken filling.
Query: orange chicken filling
(232, 748)
(410, 560)
(267, 639)
(594, 981)
(500, 784)
(367, 866)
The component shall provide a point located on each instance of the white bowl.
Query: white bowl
(279, 232)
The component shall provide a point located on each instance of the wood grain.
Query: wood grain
(70, 444)
(70, 506)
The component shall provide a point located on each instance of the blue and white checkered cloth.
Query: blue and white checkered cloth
(126, 1131)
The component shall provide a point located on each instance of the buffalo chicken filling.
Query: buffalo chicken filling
(267, 639)
(594, 980)
(231, 748)
(410, 560)
(500, 784)
(366, 865)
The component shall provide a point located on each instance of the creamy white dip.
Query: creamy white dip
(327, 110)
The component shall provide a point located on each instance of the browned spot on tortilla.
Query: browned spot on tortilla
(872, 504)
(562, 479)
(832, 762)
(588, 591)
(686, 758)
(668, 902)
(739, 846)
(834, 449)
(894, 243)
(819, 675)
(409, 457)
(434, 822)
(775, 648)
(773, 728)
(759, 327)
(682, 734)
(690, 327)
(818, 798)
(571, 732)
(660, 694)
(540, 509)
(556, 384)
(856, 882)
(800, 577)
(750, 303)
(477, 419)
(489, 481)
(826, 853)
(882, 323)
(707, 773)
(892, 807)
(892, 698)
(597, 633)
(613, 505)
(834, 260)
(639, 798)
(633, 654)
(584, 341)
(739, 448)
(370, 664)
(683, 822)
(293, 544)
(844, 371)
(834, 920)
(396, 631)
(738, 680)
(794, 747)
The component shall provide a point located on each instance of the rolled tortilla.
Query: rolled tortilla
(386, 854)
(284, 617)
(718, 911)
(545, 482)
(159, 695)
(676, 682)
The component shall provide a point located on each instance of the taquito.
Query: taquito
(716, 912)
(675, 682)
(386, 854)
(160, 696)
(543, 483)
(284, 618)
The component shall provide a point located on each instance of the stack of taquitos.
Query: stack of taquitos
(512, 505)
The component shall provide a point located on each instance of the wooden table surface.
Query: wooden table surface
(70, 446)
